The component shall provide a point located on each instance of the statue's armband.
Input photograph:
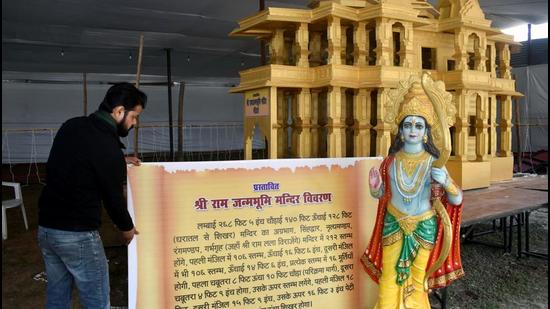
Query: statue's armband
(453, 192)
(451, 188)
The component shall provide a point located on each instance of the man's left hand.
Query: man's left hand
(127, 236)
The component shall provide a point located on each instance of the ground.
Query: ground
(494, 279)
(497, 280)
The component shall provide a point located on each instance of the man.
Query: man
(86, 167)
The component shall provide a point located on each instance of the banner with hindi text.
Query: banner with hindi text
(285, 233)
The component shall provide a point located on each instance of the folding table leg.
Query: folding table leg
(504, 233)
(444, 298)
(527, 214)
(519, 219)
(510, 232)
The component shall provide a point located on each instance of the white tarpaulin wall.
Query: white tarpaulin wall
(32, 113)
(212, 116)
(532, 81)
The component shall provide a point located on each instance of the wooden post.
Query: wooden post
(138, 75)
(180, 122)
(85, 85)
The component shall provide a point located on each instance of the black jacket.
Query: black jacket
(86, 166)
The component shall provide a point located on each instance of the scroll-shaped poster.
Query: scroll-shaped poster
(251, 234)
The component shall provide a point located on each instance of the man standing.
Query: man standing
(86, 167)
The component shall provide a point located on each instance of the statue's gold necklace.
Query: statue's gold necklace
(415, 167)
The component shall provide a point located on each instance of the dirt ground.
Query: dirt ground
(494, 279)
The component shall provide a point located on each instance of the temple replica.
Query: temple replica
(330, 69)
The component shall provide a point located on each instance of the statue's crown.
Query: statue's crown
(416, 102)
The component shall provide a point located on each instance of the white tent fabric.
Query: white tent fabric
(532, 81)
(100, 36)
(32, 113)
(57, 40)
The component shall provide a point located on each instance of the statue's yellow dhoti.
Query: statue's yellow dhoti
(402, 229)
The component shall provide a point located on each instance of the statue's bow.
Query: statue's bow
(438, 101)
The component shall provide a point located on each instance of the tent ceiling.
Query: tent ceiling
(100, 36)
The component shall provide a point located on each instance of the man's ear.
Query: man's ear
(118, 112)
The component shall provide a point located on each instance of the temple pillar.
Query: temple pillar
(461, 54)
(278, 47)
(248, 143)
(383, 42)
(302, 41)
(302, 120)
(336, 128)
(492, 57)
(383, 130)
(480, 54)
(271, 131)
(282, 125)
(361, 114)
(407, 47)
(505, 68)
(334, 36)
(506, 127)
(360, 44)
(462, 126)
(482, 137)
(315, 123)
(493, 126)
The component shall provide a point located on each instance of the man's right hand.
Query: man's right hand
(127, 236)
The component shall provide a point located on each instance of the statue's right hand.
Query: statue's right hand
(375, 180)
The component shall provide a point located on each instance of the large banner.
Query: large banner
(251, 234)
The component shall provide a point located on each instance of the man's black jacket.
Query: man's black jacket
(86, 165)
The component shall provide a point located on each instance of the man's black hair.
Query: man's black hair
(124, 94)
(397, 143)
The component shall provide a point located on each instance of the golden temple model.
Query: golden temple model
(331, 69)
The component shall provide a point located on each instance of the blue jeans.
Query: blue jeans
(76, 257)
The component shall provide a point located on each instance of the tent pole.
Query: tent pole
(138, 75)
(169, 76)
(180, 121)
(262, 41)
(85, 86)
(528, 44)
(518, 134)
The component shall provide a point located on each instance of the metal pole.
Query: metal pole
(169, 75)
(262, 42)
(518, 218)
(138, 75)
(180, 121)
(528, 44)
(85, 85)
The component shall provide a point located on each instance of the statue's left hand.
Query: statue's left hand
(439, 175)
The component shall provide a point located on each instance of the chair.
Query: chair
(18, 201)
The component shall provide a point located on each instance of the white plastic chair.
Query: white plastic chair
(18, 201)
